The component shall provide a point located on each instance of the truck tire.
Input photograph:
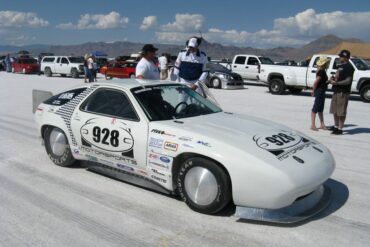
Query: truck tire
(277, 86)
(294, 90)
(48, 72)
(365, 93)
(74, 73)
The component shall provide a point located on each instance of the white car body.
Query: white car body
(262, 174)
(61, 65)
(248, 66)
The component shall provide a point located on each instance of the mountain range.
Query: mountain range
(213, 50)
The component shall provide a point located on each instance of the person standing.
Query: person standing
(319, 90)
(146, 68)
(85, 67)
(190, 65)
(90, 69)
(8, 63)
(163, 64)
(342, 83)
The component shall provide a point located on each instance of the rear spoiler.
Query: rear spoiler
(39, 96)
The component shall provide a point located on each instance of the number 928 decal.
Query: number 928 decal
(278, 141)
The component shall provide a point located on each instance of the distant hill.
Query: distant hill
(213, 50)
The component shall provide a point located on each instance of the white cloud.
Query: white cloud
(21, 19)
(149, 22)
(99, 21)
(185, 23)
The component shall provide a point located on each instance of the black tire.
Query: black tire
(65, 157)
(48, 72)
(74, 73)
(108, 77)
(216, 83)
(365, 93)
(63, 75)
(277, 86)
(294, 90)
(222, 189)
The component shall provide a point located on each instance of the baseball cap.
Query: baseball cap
(193, 42)
(149, 48)
(344, 53)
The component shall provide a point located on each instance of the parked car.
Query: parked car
(248, 66)
(63, 65)
(221, 77)
(121, 70)
(295, 79)
(25, 65)
(287, 62)
(169, 138)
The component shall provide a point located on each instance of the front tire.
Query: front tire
(203, 185)
(74, 73)
(57, 147)
(48, 72)
(216, 83)
(132, 76)
(365, 93)
(277, 86)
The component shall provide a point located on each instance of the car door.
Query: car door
(312, 70)
(110, 131)
(252, 68)
(239, 65)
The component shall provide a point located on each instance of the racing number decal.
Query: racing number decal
(112, 135)
(280, 139)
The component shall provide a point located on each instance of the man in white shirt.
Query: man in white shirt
(163, 64)
(146, 68)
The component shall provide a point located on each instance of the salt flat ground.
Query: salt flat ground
(42, 204)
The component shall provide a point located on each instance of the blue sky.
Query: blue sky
(263, 23)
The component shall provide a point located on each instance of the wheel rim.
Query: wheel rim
(275, 87)
(216, 83)
(201, 186)
(132, 76)
(367, 94)
(58, 142)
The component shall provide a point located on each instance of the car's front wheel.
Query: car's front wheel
(203, 185)
(74, 73)
(277, 86)
(57, 147)
(48, 72)
(216, 83)
(365, 93)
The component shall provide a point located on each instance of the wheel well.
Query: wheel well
(43, 128)
(364, 83)
(178, 160)
(275, 76)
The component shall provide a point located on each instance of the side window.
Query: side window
(110, 102)
(64, 60)
(63, 98)
(48, 60)
(336, 63)
(58, 60)
(317, 59)
(240, 60)
(252, 61)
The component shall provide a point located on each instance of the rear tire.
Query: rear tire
(74, 73)
(48, 72)
(365, 93)
(57, 147)
(107, 77)
(216, 83)
(203, 185)
(132, 76)
(277, 86)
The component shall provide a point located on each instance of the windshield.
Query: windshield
(165, 102)
(360, 64)
(216, 67)
(28, 61)
(266, 60)
(76, 59)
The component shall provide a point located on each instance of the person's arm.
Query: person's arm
(345, 82)
(140, 71)
(204, 75)
(176, 69)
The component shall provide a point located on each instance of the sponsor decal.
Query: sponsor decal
(161, 132)
(158, 172)
(299, 160)
(161, 180)
(56, 102)
(109, 156)
(91, 158)
(283, 144)
(171, 146)
(141, 172)
(165, 166)
(114, 121)
(165, 159)
(187, 145)
(206, 144)
(125, 167)
(116, 138)
(68, 96)
(106, 162)
(153, 156)
(185, 139)
(154, 142)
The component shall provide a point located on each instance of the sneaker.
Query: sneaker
(337, 132)
(332, 128)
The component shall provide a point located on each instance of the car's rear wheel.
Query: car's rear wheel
(57, 147)
(203, 185)
(48, 72)
(132, 76)
(277, 86)
(108, 77)
(216, 83)
(365, 93)
(74, 73)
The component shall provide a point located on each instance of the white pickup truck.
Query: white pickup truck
(295, 79)
(248, 66)
(63, 65)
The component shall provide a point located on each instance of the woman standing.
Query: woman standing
(319, 89)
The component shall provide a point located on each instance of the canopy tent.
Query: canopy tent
(361, 50)
(98, 54)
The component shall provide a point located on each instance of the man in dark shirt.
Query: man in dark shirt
(342, 88)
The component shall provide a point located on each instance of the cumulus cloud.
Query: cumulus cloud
(21, 19)
(149, 22)
(185, 23)
(291, 31)
(99, 21)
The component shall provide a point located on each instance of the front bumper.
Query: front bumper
(301, 209)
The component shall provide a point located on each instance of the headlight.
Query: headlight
(226, 76)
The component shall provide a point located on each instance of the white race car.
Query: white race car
(167, 137)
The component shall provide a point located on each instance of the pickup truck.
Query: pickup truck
(248, 66)
(63, 65)
(295, 79)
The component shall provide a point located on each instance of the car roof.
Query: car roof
(132, 83)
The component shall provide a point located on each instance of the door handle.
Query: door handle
(246, 67)
(313, 71)
(234, 66)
